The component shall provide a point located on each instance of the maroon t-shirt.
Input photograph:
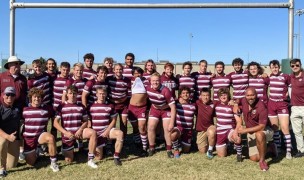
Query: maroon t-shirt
(205, 115)
(297, 85)
(257, 115)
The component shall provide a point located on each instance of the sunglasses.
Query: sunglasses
(10, 94)
(297, 65)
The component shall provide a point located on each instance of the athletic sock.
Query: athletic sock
(210, 148)
(144, 140)
(287, 139)
(90, 156)
(238, 148)
(53, 159)
(169, 147)
(116, 155)
(277, 139)
(175, 145)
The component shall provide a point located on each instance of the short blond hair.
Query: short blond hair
(80, 65)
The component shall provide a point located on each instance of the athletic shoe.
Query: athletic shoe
(288, 155)
(54, 166)
(170, 154)
(151, 152)
(299, 154)
(21, 156)
(274, 150)
(143, 153)
(92, 164)
(239, 158)
(117, 162)
(3, 173)
(263, 165)
(176, 154)
(209, 154)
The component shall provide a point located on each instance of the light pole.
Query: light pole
(299, 12)
(297, 44)
(190, 36)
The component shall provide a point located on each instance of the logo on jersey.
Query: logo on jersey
(253, 111)
(284, 110)
(143, 114)
(300, 79)
(169, 114)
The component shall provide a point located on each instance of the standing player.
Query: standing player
(118, 86)
(239, 79)
(227, 125)
(127, 69)
(51, 68)
(185, 111)
(103, 118)
(150, 68)
(73, 117)
(91, 85)
(187, 80)
(206, 131)
(221, 80)
(278, 107)
(163, 107)
(108, 62)
(168, 80)
(36, 118)
(88, 71)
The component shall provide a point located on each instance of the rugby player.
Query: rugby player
(221, 80)
(186, 79)
(88, 71)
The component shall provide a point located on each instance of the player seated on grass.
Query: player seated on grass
(184, 122)
(36, 118)
(206, 131)
(73, 126)
(103, 118)
(226, 124)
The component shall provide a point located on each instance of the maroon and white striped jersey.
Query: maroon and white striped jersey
(71, 116)
(187, 81)
(118, 88)
(147, 76)
(127, 72)
(160, 97)
(91, 87)
(185, 115)
(170, 82)
(59, 85)
(88, 73)
(42, 82)
(225, 117)
(100, 115)
(110, 73)
(203, 80)
(36, 119)
(278, 87)
(260, 84)
(79, 83)
(239, 83)
(220, 82)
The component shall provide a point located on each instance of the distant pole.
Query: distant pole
(78, 56)
(297, 44)
(299, 12)
(157, 55)
(191, 36)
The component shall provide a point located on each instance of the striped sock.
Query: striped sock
(116, 155)
(287, 139)
(90, 156)
(277, 139)
(238, 148)
(175, 145)
(144, 140)
(136, 137)
(53, 159)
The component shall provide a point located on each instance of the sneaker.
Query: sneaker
(117, 162)
(239, 158)
(263, 165)
(274, 150)
(288, 155)
(21, 156)
(151, 152)
(170, 154)
(3, 173)
(176, 154)
(54, 167)
(299, 154)
(92, 164)
(209, 154)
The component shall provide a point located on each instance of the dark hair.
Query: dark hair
(170, 65)
(224, 91)
(183, 88)
(35, 91)
(103, 68)
(37, 61)
(238, 61)
(131, 55)
(204, 89)
(88, 56)
(219, 63)
(154, 65)
(72, 88)
(65, 64)
(295, 60)
(138, 69)
(110, 59)
(274, 62)
(203, 61)
(253, 63)
(187, 63)
(51, 59)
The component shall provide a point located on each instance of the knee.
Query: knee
(260, 136)
(254, 158)
(120, 135)
(50, 138)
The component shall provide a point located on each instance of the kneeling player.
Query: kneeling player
(184, 121)
(103, 117)
(36, 118)
(73, 126)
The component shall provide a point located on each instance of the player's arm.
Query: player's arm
(173, 114)
(84, 97)
(84, 125)
(254, 129)
(58, 126)
(111, 125)
(63, 98)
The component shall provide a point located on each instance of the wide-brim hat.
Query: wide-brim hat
(11, 60)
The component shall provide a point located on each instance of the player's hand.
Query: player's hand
(105, 134)
(69, 135)
(240, 130)
(264, 75)
(12, 137)
(78, 133)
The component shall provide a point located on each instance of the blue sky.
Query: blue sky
(158, 34)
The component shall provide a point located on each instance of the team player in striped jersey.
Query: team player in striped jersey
(60, 82)
(127, 69)
(103, 118)
(226, 125)
(88, 71)
(74, 125)
(239, 79)
(51, 68)
(89, 90)
(36, 118)
(167, 79)
(206, 131)
(163, 107)
(186, 79)
(185, 111)
(278, 106)
(150, 68)
(221, 80)
(258, 81)
(202, 77)
(118, 86)
(108, 62)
